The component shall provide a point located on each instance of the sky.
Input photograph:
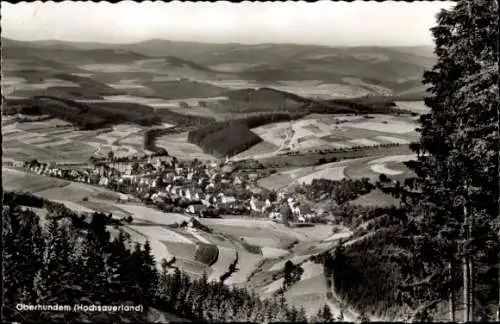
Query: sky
(357, 23)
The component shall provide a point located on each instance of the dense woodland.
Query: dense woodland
(365, 105)
(443, 258)
(338, 191)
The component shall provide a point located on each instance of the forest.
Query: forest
(338, 191)
(440, 253)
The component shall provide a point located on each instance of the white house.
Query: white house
(309, 217)
(187, 194)
(253, 205)
(103, 181)
(237, 181)
(275, 216)
(227, 199)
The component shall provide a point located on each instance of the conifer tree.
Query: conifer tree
(458, 169)
(55, 282)
(22, 256)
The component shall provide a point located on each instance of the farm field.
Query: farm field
(158, 248)
(369, 167)
(160, 233)
(150, 215)
(309, 293)
(261, 228)
(54, 140)
(258, 150)
(318, 232)
(337, 131)
(226, 257)
(323, 90)
(13, 179)
(416, 106)
(247, 263)
(273, 253)
(177, 145)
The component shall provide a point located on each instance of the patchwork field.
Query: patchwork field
(337, 131)
(54, 140)
(369, 167)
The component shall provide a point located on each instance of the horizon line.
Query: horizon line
(209, 42)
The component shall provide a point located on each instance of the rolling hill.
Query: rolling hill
(391, 69)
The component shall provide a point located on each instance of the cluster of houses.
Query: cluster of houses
(77, 175)
(201, 189)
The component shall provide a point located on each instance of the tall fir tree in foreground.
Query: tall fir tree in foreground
(453, 245)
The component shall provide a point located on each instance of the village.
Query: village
(195, 188)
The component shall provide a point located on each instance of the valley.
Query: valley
(251, 129)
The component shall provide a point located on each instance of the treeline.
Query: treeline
(364, 105)
(61, 264)
(150, 136)
(98, 115)
(227, 138)
(259, 100)
(85, 115)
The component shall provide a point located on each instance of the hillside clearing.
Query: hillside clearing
(226, 257)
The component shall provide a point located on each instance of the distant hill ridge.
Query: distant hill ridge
(394, 69)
